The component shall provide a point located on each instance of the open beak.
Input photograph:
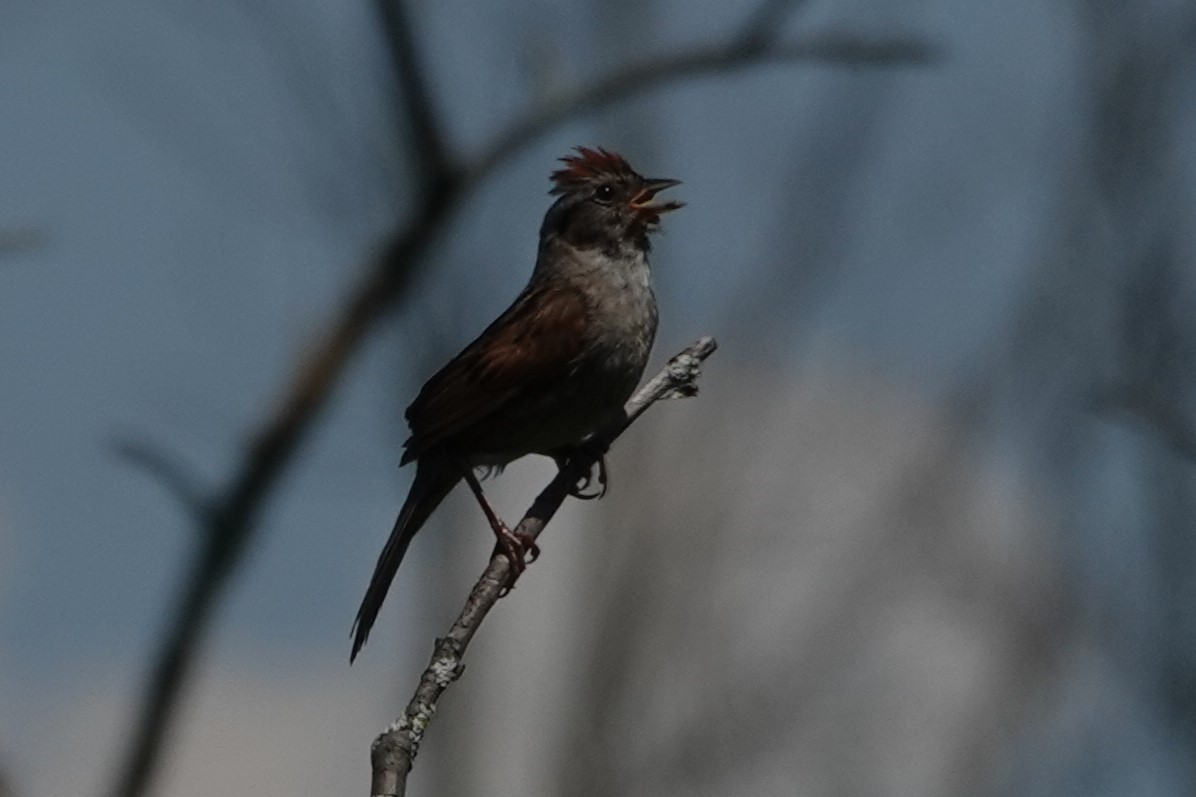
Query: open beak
(643, 203)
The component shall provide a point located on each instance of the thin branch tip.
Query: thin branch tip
(167, 469)
(686, 368)
(766, 22)
(433, 159)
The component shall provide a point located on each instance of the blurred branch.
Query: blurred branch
(20, 239)
(1163, 417)
(232, 516)
(177, 480)
(431, 156)
(393, 752)
(763, 24)
(692, 63)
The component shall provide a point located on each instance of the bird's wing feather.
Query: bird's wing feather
(536, 341)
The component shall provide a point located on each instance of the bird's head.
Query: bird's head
(603, 202)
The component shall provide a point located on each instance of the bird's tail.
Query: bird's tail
(434, 479)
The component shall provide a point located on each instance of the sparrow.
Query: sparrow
(555, 367)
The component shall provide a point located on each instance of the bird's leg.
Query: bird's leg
(516, 547)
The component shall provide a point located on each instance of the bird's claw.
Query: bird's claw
(578, 490)
(529, 546)
(520, 550)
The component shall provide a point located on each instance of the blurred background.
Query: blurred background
(926, 530)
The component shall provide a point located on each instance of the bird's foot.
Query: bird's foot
(520, 550)
(514, 545)
(579, 490)
(596, 452)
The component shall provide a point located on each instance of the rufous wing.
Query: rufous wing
(536, 341)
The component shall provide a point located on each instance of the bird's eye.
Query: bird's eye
(604, 193)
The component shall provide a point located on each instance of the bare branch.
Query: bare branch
(393, 752)
(231, 521)
(692, 63)
(764, 23)
(170, 472)
(431, 156)
(1164, 418)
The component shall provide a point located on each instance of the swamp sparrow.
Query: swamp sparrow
(552, 370)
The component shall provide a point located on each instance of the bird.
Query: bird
(551, 370)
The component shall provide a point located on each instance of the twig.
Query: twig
(228, 526)
(763, 24)
(393, 752)
(692, 63)
(431, 157)
(174, 477)
(231, 521)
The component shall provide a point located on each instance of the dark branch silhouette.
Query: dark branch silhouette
(169, 471)
(691, 63)
(430, 153)
(762, 24)
(393, 752)
(1160, 415)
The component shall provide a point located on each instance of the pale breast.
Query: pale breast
(623, 311)
(619, 331)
